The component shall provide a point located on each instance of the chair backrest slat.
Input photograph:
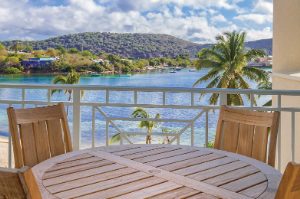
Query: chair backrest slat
(260, 143)
(247, 132)
(28, 145)
(38, 134)
(245, 143)
(289, 187)
(42, 140)
(230, 136)
(55, 137)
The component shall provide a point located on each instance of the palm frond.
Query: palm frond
(140, 113)
(115, 138)
(56, 91)
(255, 74)
(60, 79)
(254, 53)
(211, 74)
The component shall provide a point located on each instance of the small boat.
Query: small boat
(172, 71)
(95, 74)
(192, 70)
(178, 68)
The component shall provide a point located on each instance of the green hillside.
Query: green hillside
(127, 44)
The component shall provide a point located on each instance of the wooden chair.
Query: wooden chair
(38, 134)
(289, 187)
(247, 132)
(11, 184)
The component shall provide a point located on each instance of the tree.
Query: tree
(71, 78)
(52, 52)
(86, 53)
(28, 49)
(17, 47)
(13, 61)
(266, 85)
(73, 50)
(227, 60)
(149, 125)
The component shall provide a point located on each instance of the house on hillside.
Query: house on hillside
(37, 62)
(261, 62)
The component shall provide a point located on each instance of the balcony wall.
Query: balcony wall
(286, 69)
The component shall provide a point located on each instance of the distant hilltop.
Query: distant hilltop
(131, 45)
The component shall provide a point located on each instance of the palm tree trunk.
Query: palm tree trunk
(148, 137)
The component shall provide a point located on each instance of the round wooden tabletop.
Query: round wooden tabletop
(155, 171)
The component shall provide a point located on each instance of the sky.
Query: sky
(198, 21)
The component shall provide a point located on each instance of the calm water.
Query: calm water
(183, 78)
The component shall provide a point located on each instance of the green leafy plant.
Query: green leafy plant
(227, 61)
(149, 125)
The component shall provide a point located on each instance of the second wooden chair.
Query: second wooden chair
(289, 187)
(38, 134)
(248, 133)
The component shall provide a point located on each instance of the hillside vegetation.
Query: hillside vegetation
(127, 44)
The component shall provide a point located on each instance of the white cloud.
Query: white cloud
(218, 18)
(19, 19)
(256, 18)
(253, 34)
(263, 6)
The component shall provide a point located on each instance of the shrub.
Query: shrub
(12, 70)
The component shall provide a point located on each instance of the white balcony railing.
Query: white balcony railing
(103, 111)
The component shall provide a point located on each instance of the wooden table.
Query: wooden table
(155, 171)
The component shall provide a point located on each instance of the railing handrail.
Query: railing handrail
(153, 89)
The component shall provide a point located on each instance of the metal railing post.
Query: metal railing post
(76, 118)
(223, 99)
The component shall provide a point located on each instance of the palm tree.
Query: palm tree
(149, 125)
(227, 60)
(71, 78)
(266, 85)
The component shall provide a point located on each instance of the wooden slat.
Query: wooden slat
(41, 140)
(114, 149)
(90, 180)
(149, 152)
(191, 162)
(136, 151)
(256, 190)
(160, 156)
(177, 158)
(76, 169)
(245, 182)
(55, 137)
(81, 174)
(28, 143)
(74, 163)
(181, 180)
(260, 143)
(230, 136)
(245, 140)
(151, 191)
(75, 158)
(115, 187)
(182, 192)
(231, 176)
(204, 166)
(31, 115)
(247, 116)
(202, 196)
(218, 170)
